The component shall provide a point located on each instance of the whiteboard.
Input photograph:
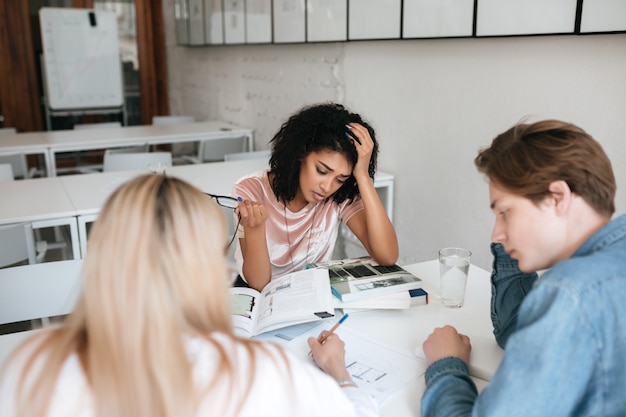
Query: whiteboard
(81, 58)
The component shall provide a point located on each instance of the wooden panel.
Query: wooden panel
(152, 59)
(19, 88)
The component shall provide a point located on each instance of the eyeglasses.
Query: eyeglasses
(229, 202)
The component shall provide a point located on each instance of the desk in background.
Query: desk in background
(41, 201)
(89, 192)
(50, 143)
(75, 200)
(408, 328)
(27, 144)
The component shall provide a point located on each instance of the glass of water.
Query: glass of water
(453, 268)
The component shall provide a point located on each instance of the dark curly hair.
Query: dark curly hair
(314, 128)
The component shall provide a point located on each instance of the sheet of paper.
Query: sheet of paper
(375, 366)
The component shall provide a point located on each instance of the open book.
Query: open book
(296, 298)
(358, 278)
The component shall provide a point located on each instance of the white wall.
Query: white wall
(433, 103)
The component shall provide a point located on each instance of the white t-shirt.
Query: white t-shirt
(293, 238)
(312, 392)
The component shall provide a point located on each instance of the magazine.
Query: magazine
(358, 278)
(295, 298)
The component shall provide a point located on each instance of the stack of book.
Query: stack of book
(361, 283)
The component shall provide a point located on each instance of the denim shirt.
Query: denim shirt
(566, 354)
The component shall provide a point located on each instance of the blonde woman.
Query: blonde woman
(151, 334)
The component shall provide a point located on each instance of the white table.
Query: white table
(89, 192)
(42, 201)
(52, 142)
(23, 143)
(408, 328)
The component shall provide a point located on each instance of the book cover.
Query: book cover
(396, 300)
(358, 278)
(300, 297)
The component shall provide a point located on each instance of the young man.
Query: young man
(552, 190)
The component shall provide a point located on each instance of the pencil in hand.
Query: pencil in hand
(323, 338)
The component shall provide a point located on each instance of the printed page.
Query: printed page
(243, 302)
(295, 298)
(377, 367)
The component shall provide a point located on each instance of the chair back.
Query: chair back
(214, 150)
(172, 120)
(104, 125)
(18, 164)
(36, 291)
(6, 172)
(129, 149)
(265, 154)
(17, 244)
(136, 161)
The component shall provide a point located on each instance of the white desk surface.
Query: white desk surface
(34, 199)
(22, 143)
(408, 328)
(99, 138)
(59, 140)
(51, 142)
(88, 192)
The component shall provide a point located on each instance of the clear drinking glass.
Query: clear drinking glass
(453, 268)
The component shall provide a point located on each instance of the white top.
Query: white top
(294, 239)
(312, 393)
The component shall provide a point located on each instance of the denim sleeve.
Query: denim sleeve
(509, 286)
(449, 389)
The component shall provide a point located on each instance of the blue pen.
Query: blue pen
(332, 330)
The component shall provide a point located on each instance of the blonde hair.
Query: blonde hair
(155, 271)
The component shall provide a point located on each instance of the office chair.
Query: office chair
(214, 150)
(171, 120)
(78, 156)
(103, 125)
(32, 292)
(129, 149)
(265, 154)
(17, 160)
(181, 152)
(6, 172)
(18, 246)
(144, 161)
